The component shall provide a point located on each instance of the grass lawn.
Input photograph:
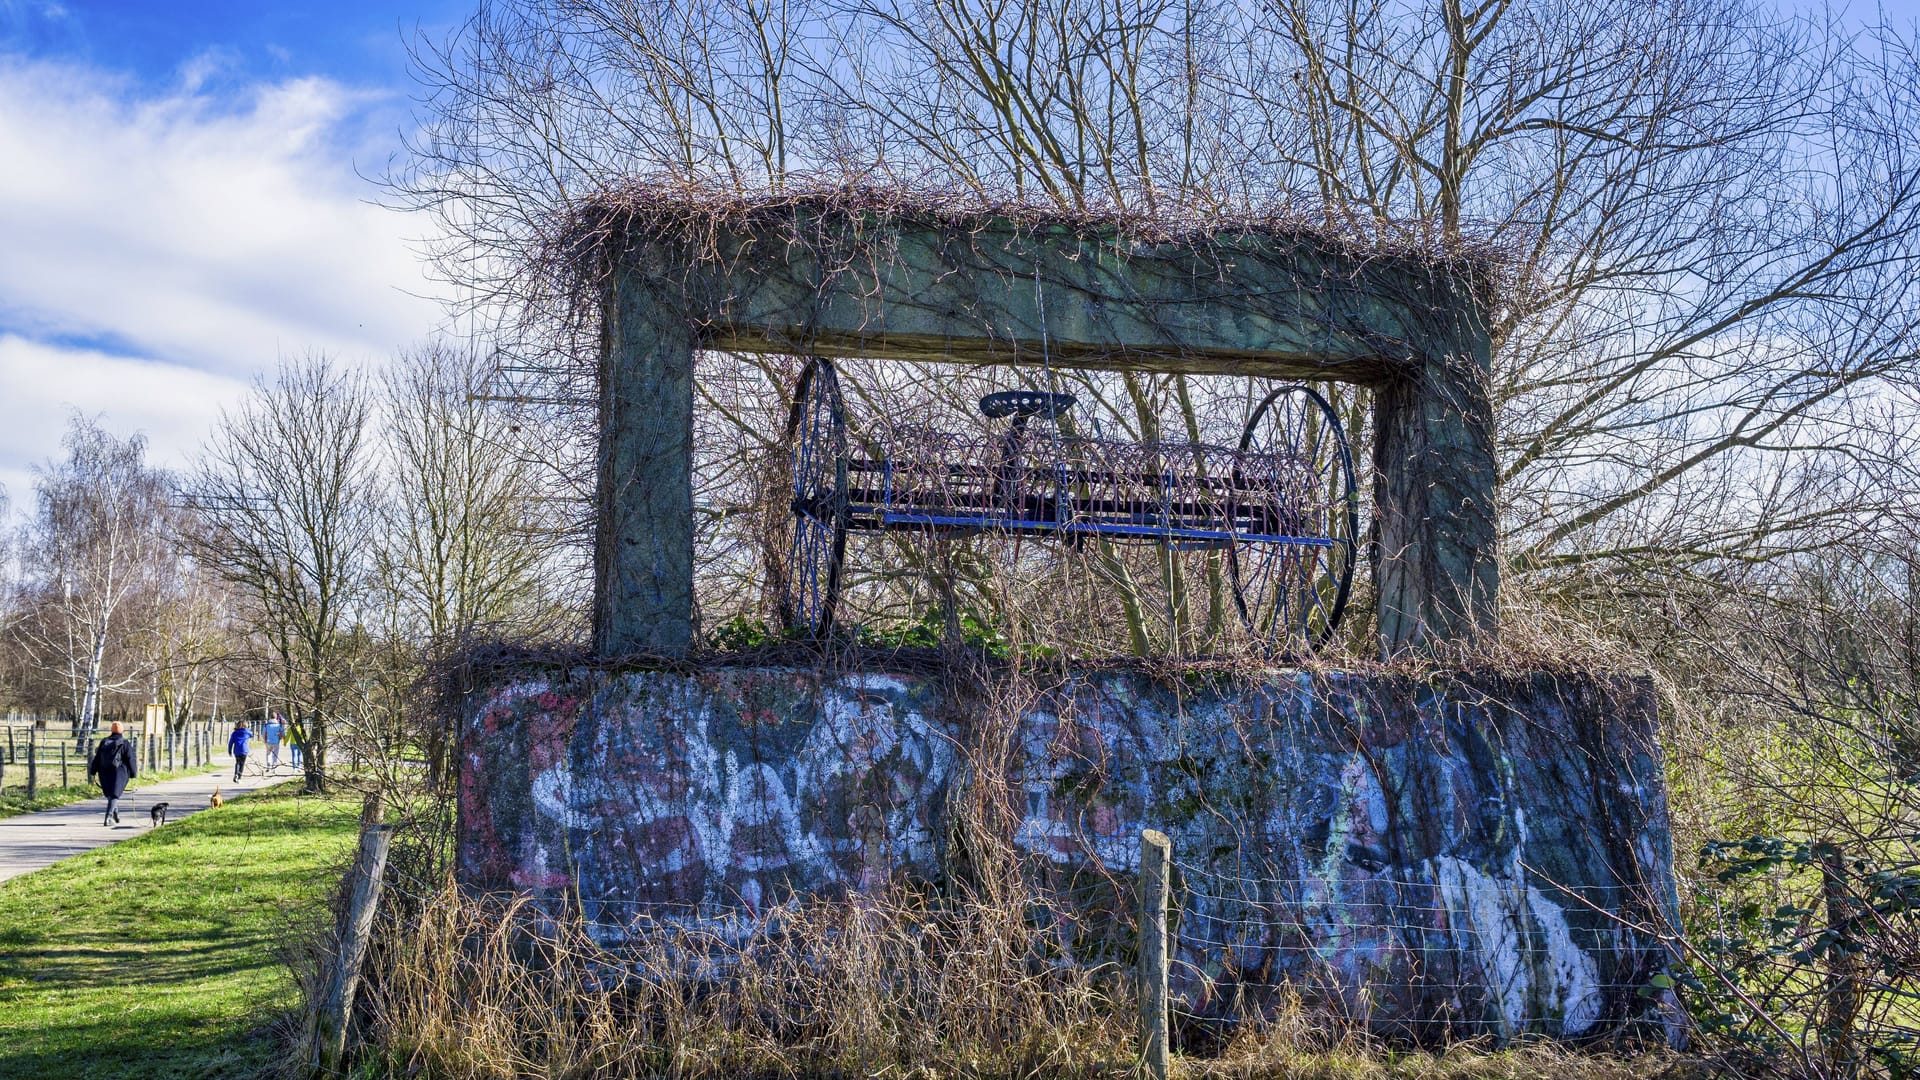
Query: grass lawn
(158, 957)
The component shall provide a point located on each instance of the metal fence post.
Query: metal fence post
(1156, 872)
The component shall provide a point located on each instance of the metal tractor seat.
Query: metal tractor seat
(1024, 403)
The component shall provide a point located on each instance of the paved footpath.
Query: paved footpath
(31, 841)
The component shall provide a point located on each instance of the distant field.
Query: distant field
(157, 957)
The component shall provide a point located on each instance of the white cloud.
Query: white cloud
(172, 406)
(207, 233)
(157, 250)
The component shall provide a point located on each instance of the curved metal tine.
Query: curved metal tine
(796, 559)
(1309, 595)
(808, 552)
(1265, 590)
(1325, 587)
(1273, 624)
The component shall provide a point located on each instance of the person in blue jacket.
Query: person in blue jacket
(237, 746)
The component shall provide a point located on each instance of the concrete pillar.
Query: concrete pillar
(1434, 490)
(643, 542)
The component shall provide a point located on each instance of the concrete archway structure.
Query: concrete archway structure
(836, 276)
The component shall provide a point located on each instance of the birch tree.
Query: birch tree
(95, 547)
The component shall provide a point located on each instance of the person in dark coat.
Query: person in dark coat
(113, 764)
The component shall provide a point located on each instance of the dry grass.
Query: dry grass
(887, 986)
(494, 987)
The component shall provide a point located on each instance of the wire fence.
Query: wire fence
(1467, 950)
(43, 752)
(1440, 951)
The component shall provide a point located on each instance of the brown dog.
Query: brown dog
(216, 800)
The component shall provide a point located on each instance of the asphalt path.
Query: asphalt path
(31, 841)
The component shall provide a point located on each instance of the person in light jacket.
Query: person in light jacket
(237, 741)
(271, 732)
(113, 765)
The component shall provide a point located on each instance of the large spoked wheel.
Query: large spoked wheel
(1294, 480)
(817, 439)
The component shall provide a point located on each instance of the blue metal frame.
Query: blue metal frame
(1090, 528)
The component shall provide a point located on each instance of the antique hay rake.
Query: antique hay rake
(1281, 507)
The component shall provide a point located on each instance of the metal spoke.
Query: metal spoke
(816, 435)
(1291, 596)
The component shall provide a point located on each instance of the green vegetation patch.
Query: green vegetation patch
(159, 956)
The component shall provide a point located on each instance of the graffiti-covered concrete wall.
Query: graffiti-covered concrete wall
(1486, 854)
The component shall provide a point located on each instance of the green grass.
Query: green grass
(13, 795)
(158, 957)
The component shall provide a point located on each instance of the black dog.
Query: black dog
(158, 814)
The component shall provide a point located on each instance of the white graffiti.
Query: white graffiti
(1525, 947)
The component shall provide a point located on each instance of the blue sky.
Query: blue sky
(181, 204)
(351, 40)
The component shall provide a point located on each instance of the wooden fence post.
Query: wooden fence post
(63, 763)
(1841, 1007)
(328, 1025)
(1156, 872)
(33, 766)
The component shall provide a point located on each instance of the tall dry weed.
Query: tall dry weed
(492, 986)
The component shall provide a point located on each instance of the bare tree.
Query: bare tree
(285, 494)
(461, 546)
(186, 630)
(1710, 211)
(95, 548)
(463, 551)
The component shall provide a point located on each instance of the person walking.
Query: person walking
(293, 746)
(113, 765)
(237, 741)
(272, 732)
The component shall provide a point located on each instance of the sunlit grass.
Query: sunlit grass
(158, 957)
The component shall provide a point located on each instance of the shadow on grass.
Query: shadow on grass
(148, 1051)
(159, 957)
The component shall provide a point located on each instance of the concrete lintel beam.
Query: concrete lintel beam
(1238, 304)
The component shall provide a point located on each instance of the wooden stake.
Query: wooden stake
(1156, 858)
(328, 1025)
